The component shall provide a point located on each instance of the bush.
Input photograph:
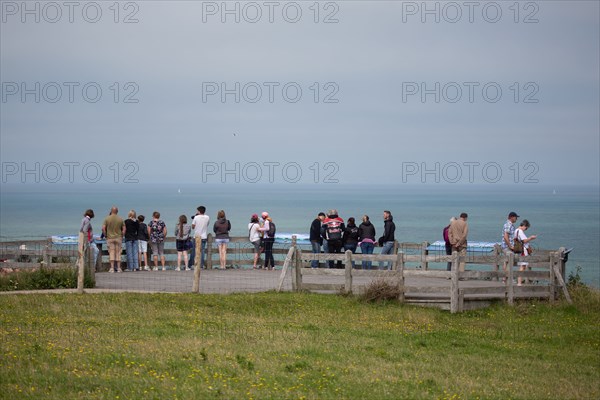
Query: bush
(381, 290)
(574, 280)
(43, 278)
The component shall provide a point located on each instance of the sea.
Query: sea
(561, 216)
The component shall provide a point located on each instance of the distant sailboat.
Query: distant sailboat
(179, 191)
(554, 191)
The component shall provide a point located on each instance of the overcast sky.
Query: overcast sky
(373, 92)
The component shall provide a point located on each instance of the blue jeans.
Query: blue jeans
(316, 249)
(386, 249)
(192, 254)
(352, 248)
(367, 248)
(132, 248)
(269, 259)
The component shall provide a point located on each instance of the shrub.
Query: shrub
(574, 279)
(381, 290)
(43, 278)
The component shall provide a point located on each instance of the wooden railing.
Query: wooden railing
(412, 272)
(549, 269)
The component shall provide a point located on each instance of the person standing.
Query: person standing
(200, 227)
(388, 239)
(457, 234)
(520, 236)
(268, 230)
(131, 241)
(87, 235)
(221, 228)
(366, 237)
(113, 229)
(508, 237)
(332, 230)
(316, 241)
(508, 232)
(157, 230)
(182, 235)
(143, 242)
(350, 237)
(254, 237)
(447, 242)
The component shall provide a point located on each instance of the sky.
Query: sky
(382, 92)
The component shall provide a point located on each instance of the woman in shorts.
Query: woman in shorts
(182, 236)
(254, 236)
(157, 230)
(143, 242)
(221, 228)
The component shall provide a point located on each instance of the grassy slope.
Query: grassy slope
(289, 345)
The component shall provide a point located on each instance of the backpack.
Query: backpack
(334, 231)
(445, 234)
(272, 229)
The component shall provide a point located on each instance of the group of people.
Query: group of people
(330, 232)
(327, 231)
(136, 235)
(513, 240)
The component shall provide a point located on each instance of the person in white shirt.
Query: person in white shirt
(200, 227)
(520, 235)
(254, 236)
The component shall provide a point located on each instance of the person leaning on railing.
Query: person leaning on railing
(458, 232)
(88, 233)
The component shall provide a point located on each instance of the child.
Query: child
(143, 242)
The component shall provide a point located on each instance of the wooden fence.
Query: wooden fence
(546, 269)
(410, 270)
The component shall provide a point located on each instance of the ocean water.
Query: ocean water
(567, 216)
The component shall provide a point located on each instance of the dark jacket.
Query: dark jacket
(389, 228)
(131, 229)
(350, 234)
(221, 228)
(366, 230)
(143, 232)
(315, 231)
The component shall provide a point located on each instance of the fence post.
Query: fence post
(561, 259)
(424, 254)
(209, 245)
(509, 279)
(90, 265)
(82, 248)
(286, 265)
(497, 252)
(197, 265)
(348, 273)
(454, 283)
(400, 275)
(556, 265)
(395, 251)
(46, 255)
(553, 292)
(297, 269)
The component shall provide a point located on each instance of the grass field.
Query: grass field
(293, 346)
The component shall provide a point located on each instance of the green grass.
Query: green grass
(43, 278)
(292, 346)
